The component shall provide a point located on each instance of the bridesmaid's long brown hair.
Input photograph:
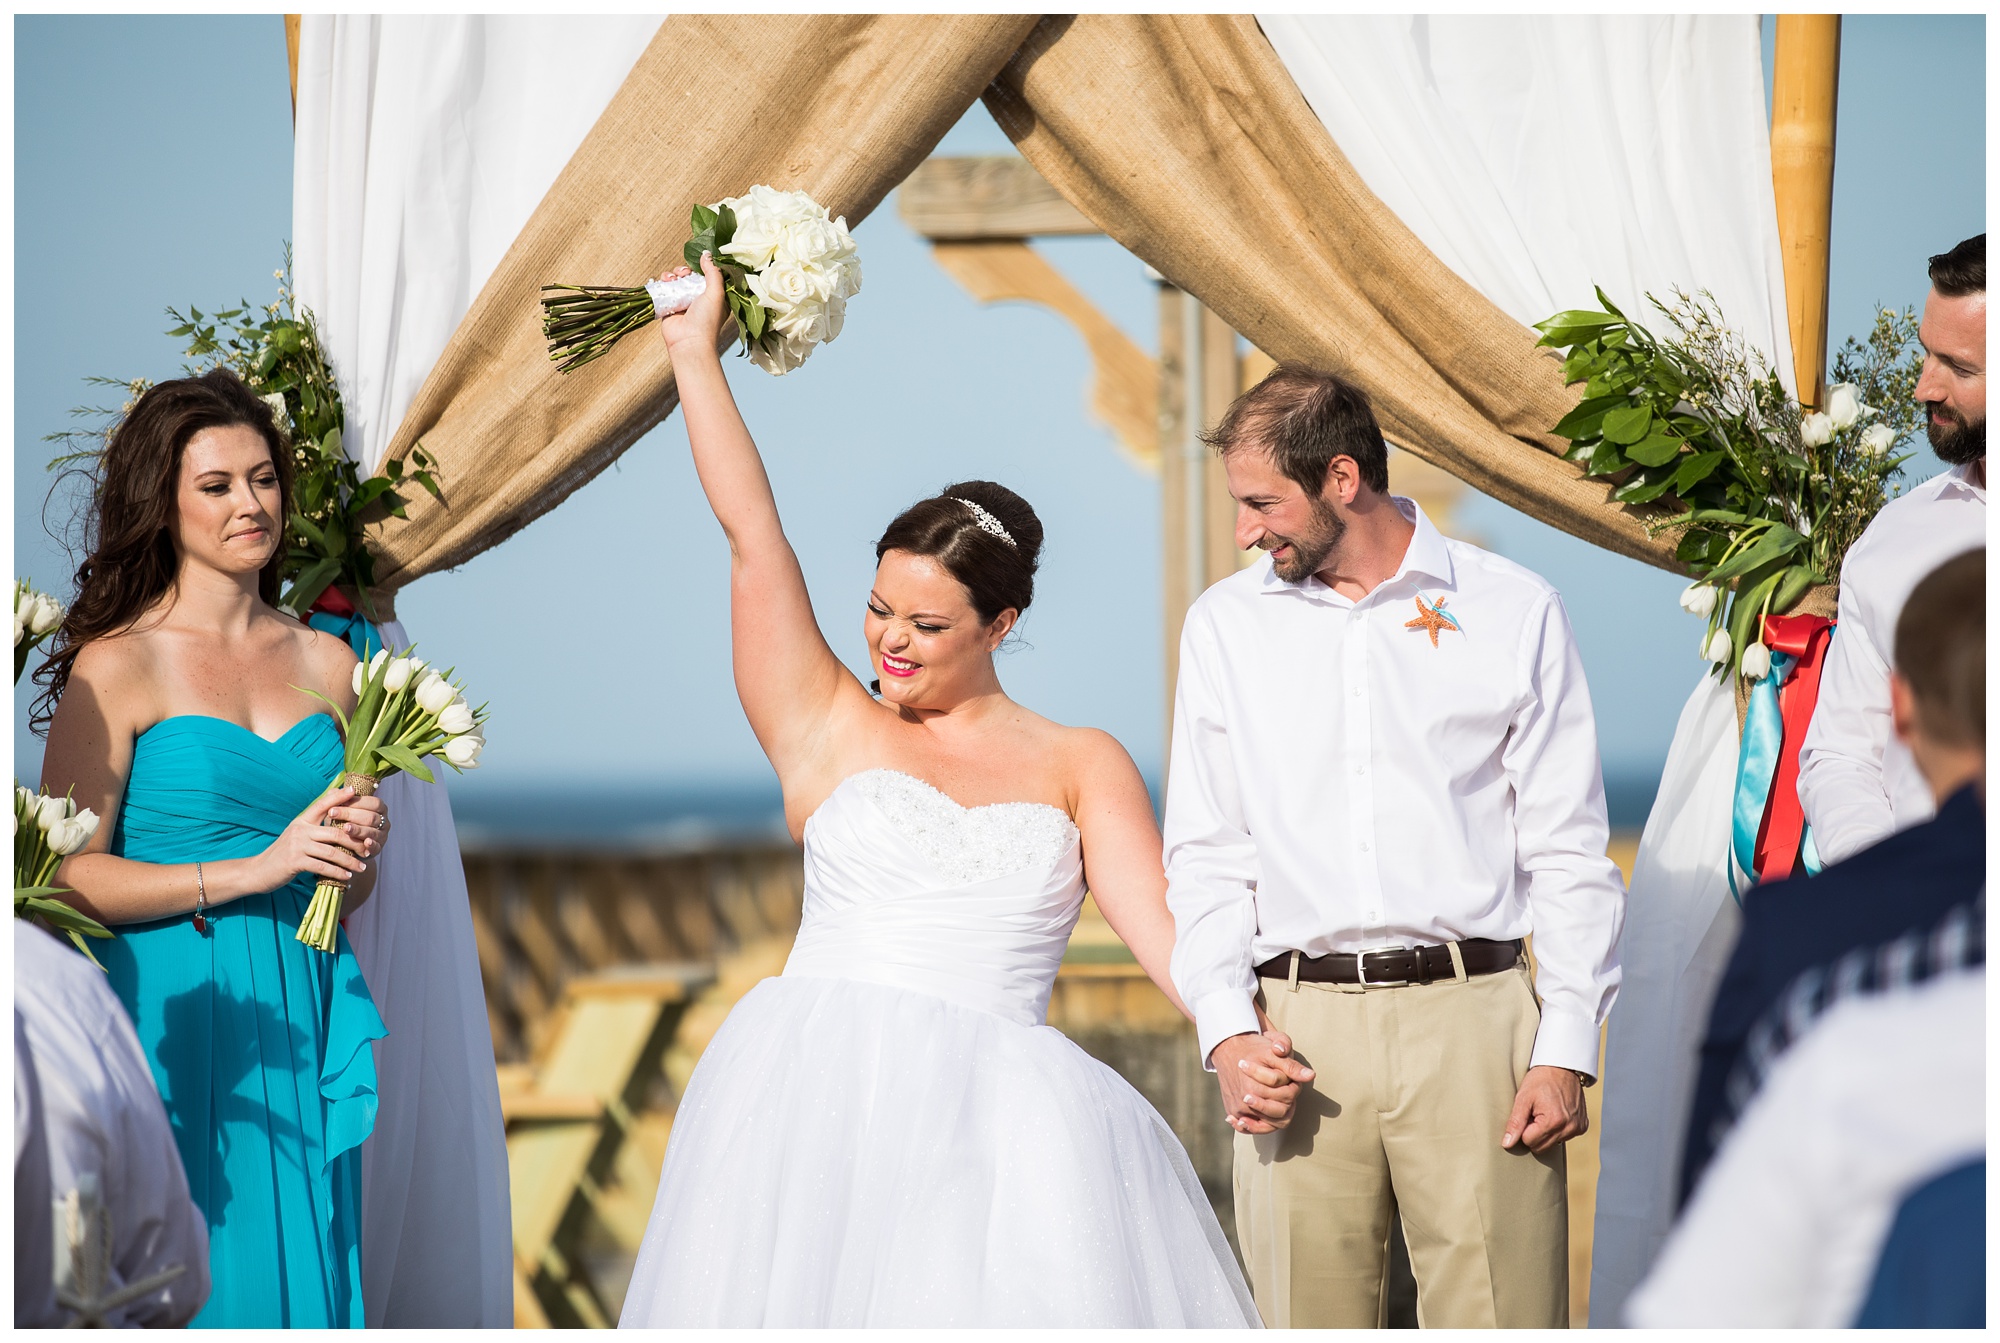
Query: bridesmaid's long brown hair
(131, 560)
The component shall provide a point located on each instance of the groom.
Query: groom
(1384, 779)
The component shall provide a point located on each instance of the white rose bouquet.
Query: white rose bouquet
(36, 616)
(405, 712)
(46, 831)
(788, 268)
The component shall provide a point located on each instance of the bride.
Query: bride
(889, 1134)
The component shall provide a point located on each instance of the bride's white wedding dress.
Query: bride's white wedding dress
(889, 1134)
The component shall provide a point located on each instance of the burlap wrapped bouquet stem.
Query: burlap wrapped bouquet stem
(839, 106)
(1183, 137)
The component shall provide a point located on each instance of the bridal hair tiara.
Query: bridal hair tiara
(987, 522)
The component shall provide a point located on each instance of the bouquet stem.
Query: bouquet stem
(321, 925)
(583, 322)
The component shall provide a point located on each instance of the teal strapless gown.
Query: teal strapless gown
(259, 1043)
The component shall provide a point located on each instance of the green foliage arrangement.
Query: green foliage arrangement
(276, 349)
(1765, 494)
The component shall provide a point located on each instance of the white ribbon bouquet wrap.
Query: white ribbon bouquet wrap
(788, 267)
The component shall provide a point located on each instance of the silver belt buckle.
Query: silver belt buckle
(1361, 970)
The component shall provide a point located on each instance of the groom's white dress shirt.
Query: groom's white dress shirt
(1339, 782)
(1858, 784)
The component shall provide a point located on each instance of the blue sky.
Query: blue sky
(153, 167)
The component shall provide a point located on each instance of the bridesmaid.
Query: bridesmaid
(175, 706)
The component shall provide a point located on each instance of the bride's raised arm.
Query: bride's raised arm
(788, 679)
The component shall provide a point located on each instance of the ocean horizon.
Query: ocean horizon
(686, 814)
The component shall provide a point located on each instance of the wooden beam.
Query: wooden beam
(984, 198)
(1124, 391)
(1805, 88)
(292, 58)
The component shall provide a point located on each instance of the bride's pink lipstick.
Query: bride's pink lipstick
(890, 666)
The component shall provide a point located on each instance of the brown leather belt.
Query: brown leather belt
(1394, 967)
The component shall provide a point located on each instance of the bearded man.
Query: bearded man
(1384, 778)
(1857, 783)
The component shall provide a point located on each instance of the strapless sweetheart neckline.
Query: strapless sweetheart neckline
(278, 740)
(933, 788)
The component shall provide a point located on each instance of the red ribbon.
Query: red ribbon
(332, 601)
(1783, 831)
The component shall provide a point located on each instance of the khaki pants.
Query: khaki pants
(1413, 1089)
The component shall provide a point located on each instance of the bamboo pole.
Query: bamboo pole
(1805, 87)
(292, 58)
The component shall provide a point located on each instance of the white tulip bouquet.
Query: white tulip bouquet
(405, 712)
(36, 616)
(788, 270)
(46, 831)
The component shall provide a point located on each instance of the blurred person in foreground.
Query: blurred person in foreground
(1843, 1073)
(130, 1247)
(1907, 908)
(1857, 783)
(1860, 1148)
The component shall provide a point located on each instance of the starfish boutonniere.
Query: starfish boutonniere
(1433, 618)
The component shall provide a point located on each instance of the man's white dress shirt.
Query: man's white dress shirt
(104, 1122)
(1884, 1093)
(1339, 783)
(1857, 783)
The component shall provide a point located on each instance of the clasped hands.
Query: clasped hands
(1259, 1077)
(1260, 1083)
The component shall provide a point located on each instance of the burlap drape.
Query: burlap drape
(841, 106)
(1183, 137)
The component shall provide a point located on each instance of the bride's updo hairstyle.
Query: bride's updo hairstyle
(135, 494)
(961, 529)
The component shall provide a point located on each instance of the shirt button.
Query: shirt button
(1361, 769)
(1356, 692)
(1364, 846)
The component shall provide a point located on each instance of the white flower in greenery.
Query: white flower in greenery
(360, 676)
(375, 663)
(1757, 661)
(1716, 647)
(397, 676)
(1816, 430)
(72, 833)
(20, 629)
(46, 615)
(1699, 599)
(456, 717)
(52, 811)
(434, 693)
(1878, 439)
(464, 751)
(1843, 404)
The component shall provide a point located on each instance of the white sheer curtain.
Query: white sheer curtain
(423, 146)
(1537, 157)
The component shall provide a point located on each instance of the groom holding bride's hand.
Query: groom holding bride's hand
(1384, 778)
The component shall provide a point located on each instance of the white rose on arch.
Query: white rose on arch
(1843, 404)
(1877, 439)
(1816, 429)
